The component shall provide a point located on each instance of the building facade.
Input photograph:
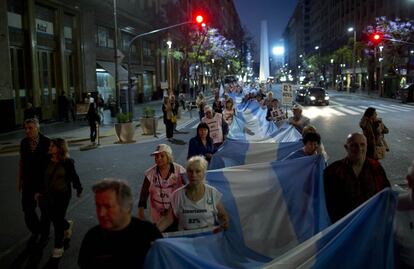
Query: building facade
(319, 27)
(53, 49)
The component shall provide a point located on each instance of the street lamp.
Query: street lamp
(170, 82)
(350, 30)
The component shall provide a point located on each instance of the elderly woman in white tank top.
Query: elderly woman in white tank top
(196, 205)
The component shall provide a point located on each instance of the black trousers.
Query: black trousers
(55, 206)
(92, 126)
(29, 205)
(169, 128)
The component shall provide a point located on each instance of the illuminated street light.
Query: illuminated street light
(316, 47)
(169, 44)
(332, 61)
(278, 50)
(350, 29)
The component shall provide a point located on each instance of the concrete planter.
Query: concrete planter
(125, 132)
(149, 125)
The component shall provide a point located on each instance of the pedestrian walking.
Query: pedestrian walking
(196, 205)
(30, 112)
(72, 106)
(353, 180)
(374, 130)
(93, 119)
(120, 240)
(167, 110)
(298, 120)
(160, 180)
(34, 157)
(56, 192)
(215, 123)
(201, 144)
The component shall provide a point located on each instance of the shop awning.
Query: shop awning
(110, 68)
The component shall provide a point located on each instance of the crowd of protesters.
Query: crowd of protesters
(179, 197)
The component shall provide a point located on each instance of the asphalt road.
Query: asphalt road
(129, 162)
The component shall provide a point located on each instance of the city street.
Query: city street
(129, 161)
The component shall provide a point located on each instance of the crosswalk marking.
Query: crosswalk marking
(348, 111)
(399, 108)
(384, 108)
(360, 110)
(333, 111)
(376, 108)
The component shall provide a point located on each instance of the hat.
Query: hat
(297, 107)
(208, 108)
(162, 148)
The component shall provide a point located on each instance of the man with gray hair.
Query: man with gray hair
(120, 240)
(298, 120)
(353, 180)
(34, 149)
(404, 225)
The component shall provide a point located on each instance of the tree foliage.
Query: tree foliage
(396, 35)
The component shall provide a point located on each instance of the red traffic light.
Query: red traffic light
(199, 19)
(376, 38)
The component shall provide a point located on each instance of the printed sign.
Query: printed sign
(287, 94)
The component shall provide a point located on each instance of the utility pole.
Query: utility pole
(117, 93)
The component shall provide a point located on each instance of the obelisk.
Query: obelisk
(264, 53)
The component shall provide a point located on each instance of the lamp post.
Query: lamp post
(352, 29)
(117, 93)
(333, 71)
(380, 59)
(170, 82)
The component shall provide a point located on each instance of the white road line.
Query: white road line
(333, 111)
(407, 106)
(386, 108)
(377, 109)
(357, 109)
(346, 110)
(335, 103)
(399, 108)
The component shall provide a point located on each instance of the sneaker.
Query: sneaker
(57, 252)
(67, 234)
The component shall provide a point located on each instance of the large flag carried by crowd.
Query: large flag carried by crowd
(277, 209)
(278, 219)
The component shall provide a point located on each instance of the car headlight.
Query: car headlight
(312, 98)
(326, 97)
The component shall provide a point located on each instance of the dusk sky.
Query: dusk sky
(276, 12)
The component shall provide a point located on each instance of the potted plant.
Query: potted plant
(148, 121)
(124, 129)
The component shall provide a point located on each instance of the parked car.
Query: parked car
(313, 96)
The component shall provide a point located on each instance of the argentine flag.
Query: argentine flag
(278, 219)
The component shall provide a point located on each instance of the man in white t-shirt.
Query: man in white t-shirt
(404, 225)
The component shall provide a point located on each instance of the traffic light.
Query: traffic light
(376, 38)
(199, 19)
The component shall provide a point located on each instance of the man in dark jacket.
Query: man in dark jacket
(353, 180)
(34, 156)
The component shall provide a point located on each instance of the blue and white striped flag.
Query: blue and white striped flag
(278, 219)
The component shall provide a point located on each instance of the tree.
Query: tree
(396, 36)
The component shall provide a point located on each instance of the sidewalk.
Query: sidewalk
(77, 133)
